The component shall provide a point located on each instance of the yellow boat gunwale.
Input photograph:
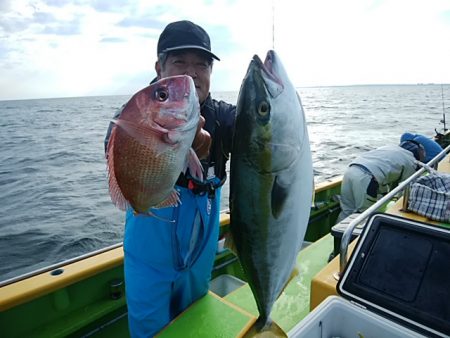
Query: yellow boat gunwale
(35, 286)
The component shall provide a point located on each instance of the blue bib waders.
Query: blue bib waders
(168, 264)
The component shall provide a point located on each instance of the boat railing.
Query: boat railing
(345, 241)
(55, 267)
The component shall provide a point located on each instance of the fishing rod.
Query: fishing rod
(443, 108)
(273, 24)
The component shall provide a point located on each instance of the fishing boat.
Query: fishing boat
(85, 296)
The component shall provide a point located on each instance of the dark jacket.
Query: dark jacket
(220, 118)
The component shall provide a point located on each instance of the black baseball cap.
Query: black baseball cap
(184, 35)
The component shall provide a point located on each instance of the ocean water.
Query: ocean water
(54, 195)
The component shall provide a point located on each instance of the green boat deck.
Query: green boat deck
(293, 304)
(213, 316)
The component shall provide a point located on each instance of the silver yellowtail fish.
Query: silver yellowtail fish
(150, 145)
(271, 183)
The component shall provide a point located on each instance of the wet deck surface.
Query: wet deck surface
(236, 311)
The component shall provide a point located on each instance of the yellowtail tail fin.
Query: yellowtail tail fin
(270, 330)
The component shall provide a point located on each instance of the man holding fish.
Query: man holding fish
(169, 250)
(172, 224)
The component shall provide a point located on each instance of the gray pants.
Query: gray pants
(354, 197)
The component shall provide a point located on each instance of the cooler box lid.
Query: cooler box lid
(400, 269)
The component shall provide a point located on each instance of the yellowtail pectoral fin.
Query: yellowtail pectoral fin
(280, 192)
(271, 330)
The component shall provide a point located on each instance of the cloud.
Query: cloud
(97, 5)
(112, 39)
(112, 6)
(4, 51)
(40, 22)
(144, 21)
(445, 16)
(78, 47)
(43, 18)
(5, 5)
(72, 27)
(62, 3)
(13, 25)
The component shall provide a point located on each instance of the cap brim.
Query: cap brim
(191, 47)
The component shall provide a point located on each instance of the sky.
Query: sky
(62, 48)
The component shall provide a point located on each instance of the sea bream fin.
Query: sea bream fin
(116, 194)
(194, 165)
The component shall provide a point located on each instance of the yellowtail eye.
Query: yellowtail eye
(263, 108)
(161, 94)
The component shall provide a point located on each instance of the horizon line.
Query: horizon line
(236, 91)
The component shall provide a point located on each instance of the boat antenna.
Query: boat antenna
(443, 108)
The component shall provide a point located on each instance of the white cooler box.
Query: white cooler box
(337, 317)
(396, 284)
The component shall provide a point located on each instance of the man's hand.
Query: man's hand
(202, 140)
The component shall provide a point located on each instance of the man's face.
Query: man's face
(192, 63)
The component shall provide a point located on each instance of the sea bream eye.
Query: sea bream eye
(161, 94)
(263, 108)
